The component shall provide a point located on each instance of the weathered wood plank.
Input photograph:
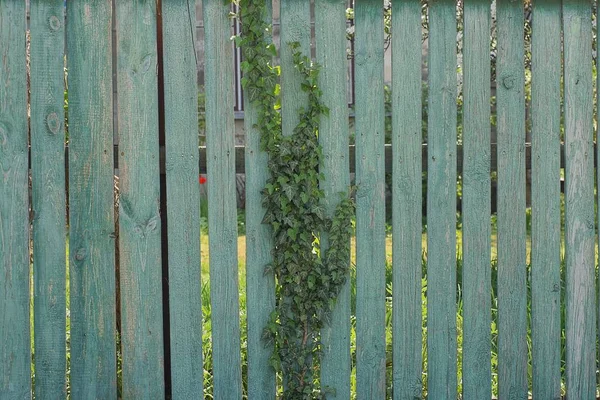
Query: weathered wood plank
(579, 201)
(183, 198)
(370, 201)
(407, 199)
(139, 217)
(15, 351)
(48, 196)
(512, 289)
(476, 204)
(92, 246)
(330, 37)
(222, 219)
(260, 287)
(545, 204)
(441, 203)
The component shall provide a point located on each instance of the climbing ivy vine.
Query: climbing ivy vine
(308, 281)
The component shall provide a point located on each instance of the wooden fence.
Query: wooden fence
(157, 249)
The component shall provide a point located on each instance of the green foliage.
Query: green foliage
(308, 281)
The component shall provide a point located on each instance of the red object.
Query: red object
(202, 180)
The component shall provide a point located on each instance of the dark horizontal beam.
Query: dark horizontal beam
(240, 158)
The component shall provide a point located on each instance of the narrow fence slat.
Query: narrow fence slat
(407, 200)
(139, 219)
(579, 202)
(183, 198)
(476, 192)
(260, 287)
(330, 37)
(15, 353)
(295, 27)
(91, 221)
(48, 196)
(441, 203)
(512, 289)
(222, 219)
(545, 203)
(370, 201)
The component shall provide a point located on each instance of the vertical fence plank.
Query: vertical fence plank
(545, 203)
(295, 27)
(260, 287)
(512, 289)
(222, 220)
(139, 219)
(370, 201)
(407, 199)
(441, 202)
(330, 37)
(476, 206)
(579, 201)
(15, 350)
(48, 196)
(92, 246)
(183, 197)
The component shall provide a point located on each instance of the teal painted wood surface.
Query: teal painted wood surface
(330, 37)
(139, 218)
(295, 27)
(545, 203)
(222, 218)
(15, 349)
(476, 204)
(512, 289)
(183, 198)
(441, 203)
(91, 237)
(370, 201)
(260, 287)
(406, 199)
(579, 201)
(48, 196)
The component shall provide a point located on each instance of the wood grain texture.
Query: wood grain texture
(295, 27)
(512, 289)
(183, 198)
(48, 196)
(441, 202)
(15, 351)
(476, 204)
(330, 37)
(370, 202)
(139, 218)
(579, 201)
(407, 199)
(545, 204)
(222, 218)
(260, 287)
(92, 246)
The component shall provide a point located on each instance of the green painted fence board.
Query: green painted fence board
(512, 289)
(441, 202)
(91, 237)
(15, 349)
(370, 201)
(48, 196)
(476, 204)
(579, 201)
(139, 219)
(260, 287)
(407, 200)
(295, 27)
(545, 204)
(222, 218)
(330, 37)
(183, 198)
